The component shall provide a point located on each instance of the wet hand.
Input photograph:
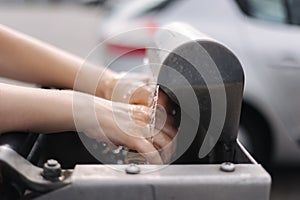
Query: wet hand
(128, 125)
(132, 88)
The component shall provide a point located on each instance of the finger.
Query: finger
(163, 143)
(140, 114)
(147, 150)
(168, 151)
(170, 120)
(172, 147)
(161, 139)
(163, 99)
(163, 117)
(169, 130)
(142, 96)
(160, 117)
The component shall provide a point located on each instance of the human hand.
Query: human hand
(132, 88)
(139, 89)
(128, 125)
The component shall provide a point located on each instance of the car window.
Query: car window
(267, 10)
(294, 11)
(159, 6)
(133, 8)
(136, 6)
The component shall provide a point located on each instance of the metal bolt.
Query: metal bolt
(133, 169)
(52, 163)
(227, 167)
(52, 170)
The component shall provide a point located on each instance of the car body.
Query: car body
(265, 36)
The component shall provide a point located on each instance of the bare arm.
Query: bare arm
(35, 110)
(46, 111)
(43, 111)
(27, 59)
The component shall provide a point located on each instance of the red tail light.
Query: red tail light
(152, 25)
(131, 50)
(126, 50)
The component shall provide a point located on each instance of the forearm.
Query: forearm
(27, 59)
(48, 111)
(35, 110)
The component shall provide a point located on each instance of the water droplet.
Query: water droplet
(120, 162)
(153, 111)
(174, 112)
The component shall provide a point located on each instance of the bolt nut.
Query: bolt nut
(227, 167)
(52, 170)
(52, 163)
(132, 169)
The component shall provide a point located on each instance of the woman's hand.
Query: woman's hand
(48, 111)
(132, 88)
(128, 125)
(139, 89)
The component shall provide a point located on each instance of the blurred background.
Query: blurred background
(264, 34)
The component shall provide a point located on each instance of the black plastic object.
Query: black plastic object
(217, 79)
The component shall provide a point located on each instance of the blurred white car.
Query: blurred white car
(264, 34)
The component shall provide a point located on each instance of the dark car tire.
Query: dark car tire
(256, 135)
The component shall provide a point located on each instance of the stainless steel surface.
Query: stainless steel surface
(174, 182)
(22, 172)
